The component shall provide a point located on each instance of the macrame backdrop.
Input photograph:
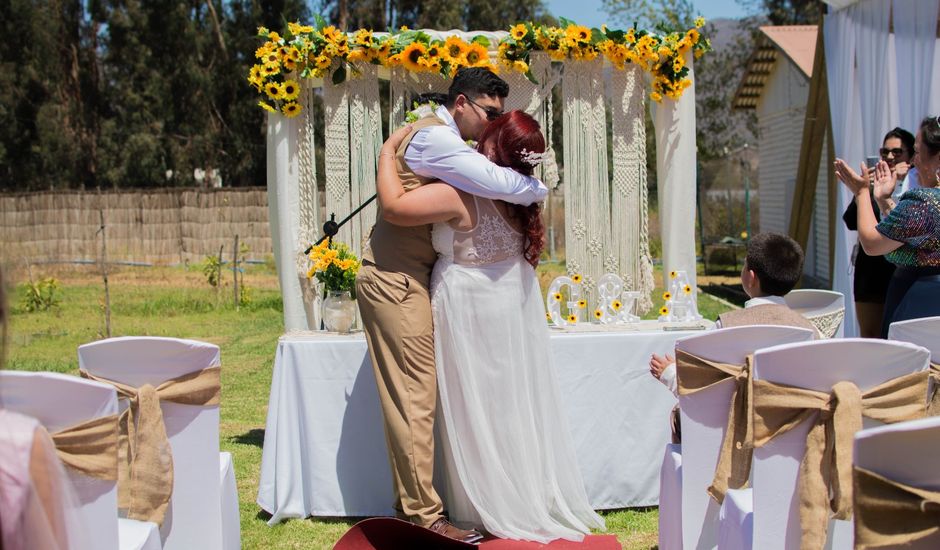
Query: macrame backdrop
(587, 191)
(605, 220)
(628, 244)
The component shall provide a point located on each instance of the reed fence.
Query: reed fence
(154, 226)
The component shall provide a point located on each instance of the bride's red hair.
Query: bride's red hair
(511, 134)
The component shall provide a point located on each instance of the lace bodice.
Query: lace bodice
(492, 239)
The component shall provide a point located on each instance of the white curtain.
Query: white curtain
(915, 28)
(284, 214)
(840, 32)
(878, 92)
(676, 174)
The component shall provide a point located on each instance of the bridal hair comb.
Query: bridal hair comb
(531, 157)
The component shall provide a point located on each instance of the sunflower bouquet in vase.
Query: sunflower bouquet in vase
(335, 267)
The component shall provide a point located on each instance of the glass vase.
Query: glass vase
(338, 311)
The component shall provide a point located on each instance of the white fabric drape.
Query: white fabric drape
(877, 90)
(676, 174)
(840, 36)
(915, 28)
(284, 214)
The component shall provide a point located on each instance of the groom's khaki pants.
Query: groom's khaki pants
(396, 316)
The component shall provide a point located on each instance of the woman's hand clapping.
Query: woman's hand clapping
(856, 183)
(885, 181)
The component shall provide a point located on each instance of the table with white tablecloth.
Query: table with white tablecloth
(324, 445)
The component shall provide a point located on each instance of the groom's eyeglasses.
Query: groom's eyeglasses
(492, 113)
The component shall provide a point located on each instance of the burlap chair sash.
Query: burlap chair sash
(90, 447)
(145, 465)
(695, 374)
(826, 470)
(890, 513)
(933, 397)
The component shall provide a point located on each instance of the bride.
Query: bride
(509, 459)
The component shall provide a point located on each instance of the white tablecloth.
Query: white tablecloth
(324, 445)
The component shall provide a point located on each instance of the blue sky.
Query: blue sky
(590, 12)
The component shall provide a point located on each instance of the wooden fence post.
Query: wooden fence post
(235, 270)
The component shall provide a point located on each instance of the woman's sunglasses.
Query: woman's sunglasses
(897, 152)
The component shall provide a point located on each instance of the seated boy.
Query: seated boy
(773, 265)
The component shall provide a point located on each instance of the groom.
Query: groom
(392, 285)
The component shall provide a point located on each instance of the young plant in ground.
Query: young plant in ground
(40, 295)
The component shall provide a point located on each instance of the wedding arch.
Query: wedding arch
(604, 76)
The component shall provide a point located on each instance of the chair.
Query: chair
(903, 453)
(817, 366)
(59, 401)
(194, 516)
(824, 308)
(670, 499)
(705, 418)
(924, 332)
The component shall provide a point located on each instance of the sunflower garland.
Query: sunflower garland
(315, 51)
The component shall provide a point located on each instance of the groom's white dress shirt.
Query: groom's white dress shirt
(439, 152)
(668, 376)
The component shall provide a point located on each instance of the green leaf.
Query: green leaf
(319, 22)
(565, 22)
(616, 36)
(531, 77)
(597, 36)
(339, 75)
(480, 39)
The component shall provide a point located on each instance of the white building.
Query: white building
(776, 85)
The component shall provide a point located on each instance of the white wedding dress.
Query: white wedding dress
(509, 462)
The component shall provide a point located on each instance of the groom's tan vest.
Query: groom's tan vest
(406, 250)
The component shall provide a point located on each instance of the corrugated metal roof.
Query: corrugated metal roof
(796, 42)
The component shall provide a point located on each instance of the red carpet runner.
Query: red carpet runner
(395, 534)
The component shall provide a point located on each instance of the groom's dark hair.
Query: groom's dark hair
(473, 82)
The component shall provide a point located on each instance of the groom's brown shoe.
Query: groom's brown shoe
(451, 531)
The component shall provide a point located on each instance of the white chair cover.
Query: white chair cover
(231, 526)
(817, 366)
(824, 308)
(193, 519)
(670, 499)
(736, 520)
(923, 332)
(59, 401)
(705, 420)
(904, 452)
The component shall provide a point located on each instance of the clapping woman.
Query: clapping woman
(909, 232)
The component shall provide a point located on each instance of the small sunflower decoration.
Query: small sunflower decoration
(687, 289)
(598, 314)
(519, 31)
(616, 305)
(290, 90)
(577, 278)
(273, 90)
(667, 296)
(673, 274)
(548, 317)
(556, 296)
(291, 109)
(572, 318)
(582, 304)
(664, 310)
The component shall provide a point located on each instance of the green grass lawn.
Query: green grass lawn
(177, 302)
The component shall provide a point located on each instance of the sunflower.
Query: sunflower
(294, 55)
(290, 90)
(687, 289)
(616, 305)
(518, 31)
(454, 48)
(271, 58)
(359, 54)
(556, 296)
(274, 37)
(322, 61)
(598, 314)
(263, 50)
(332, 34)
(410, 56)
(693, 36)
(578, 33)
(664, 310)
(699, 22)
(477, 56)
(667, 295)
(520, 66)
(363, 37)
(266, 106)
(273, 90)
(548, 317)
(673, 274)
(577, 278)
(582, 304)
(270, 70)
(291, 109)
(572, 318)
(256, 73)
